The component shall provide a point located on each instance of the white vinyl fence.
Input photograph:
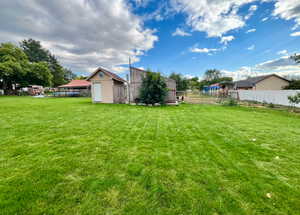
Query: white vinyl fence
(279, 97)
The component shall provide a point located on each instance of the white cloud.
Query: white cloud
(142, 3)
(188, 76)
(252, 9)
(295, 34)
(252, 47)
(83, 35)
(242, 73)
(162, 12)
(294, 27)
(203, 50)
(284, 66)
(251, 30)
(213, 17)
(217, 17)
(180, 32)
(288, 10)
(226, 39)
(282, 52)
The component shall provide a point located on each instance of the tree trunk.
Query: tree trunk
(4, 85)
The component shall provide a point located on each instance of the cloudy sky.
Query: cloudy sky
(239, 37)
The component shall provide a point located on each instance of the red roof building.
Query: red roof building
(77, 84)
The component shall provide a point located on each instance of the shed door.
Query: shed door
(97, 94)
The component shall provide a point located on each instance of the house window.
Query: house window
(101, 75)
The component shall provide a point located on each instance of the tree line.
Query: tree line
(211, 76)
(30, 64)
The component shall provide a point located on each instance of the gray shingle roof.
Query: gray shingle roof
(252, 81)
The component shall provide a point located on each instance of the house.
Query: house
(266, 82)
(136, 79)
(107, 87)
(218, 89)
(75, 88)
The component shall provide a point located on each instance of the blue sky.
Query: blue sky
(238, 37)
(264, 37)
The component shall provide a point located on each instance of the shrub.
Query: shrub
(294, 85)
(271, 105)
(137, 101)
(153, 89)
(264, 103)
(230, 102)
(294, 100)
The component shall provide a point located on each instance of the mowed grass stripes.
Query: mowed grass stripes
(69, 156)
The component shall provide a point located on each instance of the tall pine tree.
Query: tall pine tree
(36, 53)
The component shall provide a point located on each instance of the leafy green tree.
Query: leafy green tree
(194, 83)
(181, 82)
(30, 65)
(36, 53)
(39, 74)
(153, 89)
(69, 75)
(57, 71)
(296, 58)
(293, 85)
(294, 100)
(81, 77)
(224, 79)
(212, 74)
(34, 50)
(204, 83)
(14, 65)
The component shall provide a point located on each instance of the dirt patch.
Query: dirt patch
(201, 100)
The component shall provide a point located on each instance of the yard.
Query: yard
(69, 156)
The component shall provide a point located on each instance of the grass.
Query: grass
(68, 156)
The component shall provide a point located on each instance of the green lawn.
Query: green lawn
(69, 156)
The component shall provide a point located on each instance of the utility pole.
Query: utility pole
(129, 81)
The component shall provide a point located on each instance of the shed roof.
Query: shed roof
(112, 75)
(76, 83)
(137, 69)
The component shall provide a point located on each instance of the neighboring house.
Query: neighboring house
(107, 87)
(75, 88)
(266, 82)
(136, 78)
(220, 89)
